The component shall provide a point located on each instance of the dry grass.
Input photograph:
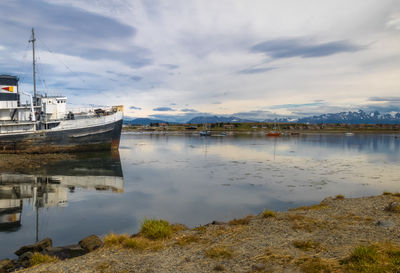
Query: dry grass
(185, 240)
(201, 229)
(39, 258)
(301, 222)
(155, 229)
(317, 265)
(113, 239)
(339, 197)
(312, 207)
(178, 227)
(219, 267)
(268, 213)
(273, 256)
(105, 266)
(306, 244)
(242, 221)
(217, 252)
(397, 194)
(137, 243)
(383, 257)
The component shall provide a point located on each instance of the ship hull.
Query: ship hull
(94, 138)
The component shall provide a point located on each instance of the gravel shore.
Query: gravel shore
(289, 241)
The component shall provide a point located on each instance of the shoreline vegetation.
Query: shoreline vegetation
(263, 128)
(337, 235)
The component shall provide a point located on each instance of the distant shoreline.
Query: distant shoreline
(173, 129)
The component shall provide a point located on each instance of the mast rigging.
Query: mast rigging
(33, 40)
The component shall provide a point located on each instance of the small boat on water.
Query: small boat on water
(44, 124)
(205, 133)
(274, 134)
(349, 134)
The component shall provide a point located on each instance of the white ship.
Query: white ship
(44, 124)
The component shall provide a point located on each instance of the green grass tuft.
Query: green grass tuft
(373, 259)
(39, 258)
(155, 229)
(268, 213)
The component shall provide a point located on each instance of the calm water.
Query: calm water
(191, 180)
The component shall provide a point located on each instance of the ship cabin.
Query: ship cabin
(54, 108)
(40, 112)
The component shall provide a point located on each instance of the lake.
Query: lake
(191, 180)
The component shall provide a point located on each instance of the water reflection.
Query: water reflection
(50, 188)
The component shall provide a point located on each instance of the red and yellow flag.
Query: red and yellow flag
(8, 88)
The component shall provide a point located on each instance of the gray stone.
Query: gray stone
(258, 267)
(6, 265)
(217, 223)
(26, 256)
(91, 243)
(24, 260)
(38, 247)
(65, 252)
(385, 223)
(393, 207)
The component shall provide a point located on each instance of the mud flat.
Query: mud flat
(30, 162)
(338, 235)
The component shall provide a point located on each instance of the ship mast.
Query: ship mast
(33, 40)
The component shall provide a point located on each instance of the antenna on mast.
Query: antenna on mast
(33, 40)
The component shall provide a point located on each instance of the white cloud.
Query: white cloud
(197, 49)
(394, 21)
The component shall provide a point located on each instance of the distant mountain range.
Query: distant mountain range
(216, 119)
(359, 117)
(142, 121)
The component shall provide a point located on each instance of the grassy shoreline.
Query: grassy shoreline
(338, 235)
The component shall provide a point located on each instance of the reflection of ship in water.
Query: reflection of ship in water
(50, 187)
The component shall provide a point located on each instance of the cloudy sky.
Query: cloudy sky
(175, 59)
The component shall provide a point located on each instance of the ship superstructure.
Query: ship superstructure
(44, 124)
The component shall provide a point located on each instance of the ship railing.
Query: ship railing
(88, 110)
